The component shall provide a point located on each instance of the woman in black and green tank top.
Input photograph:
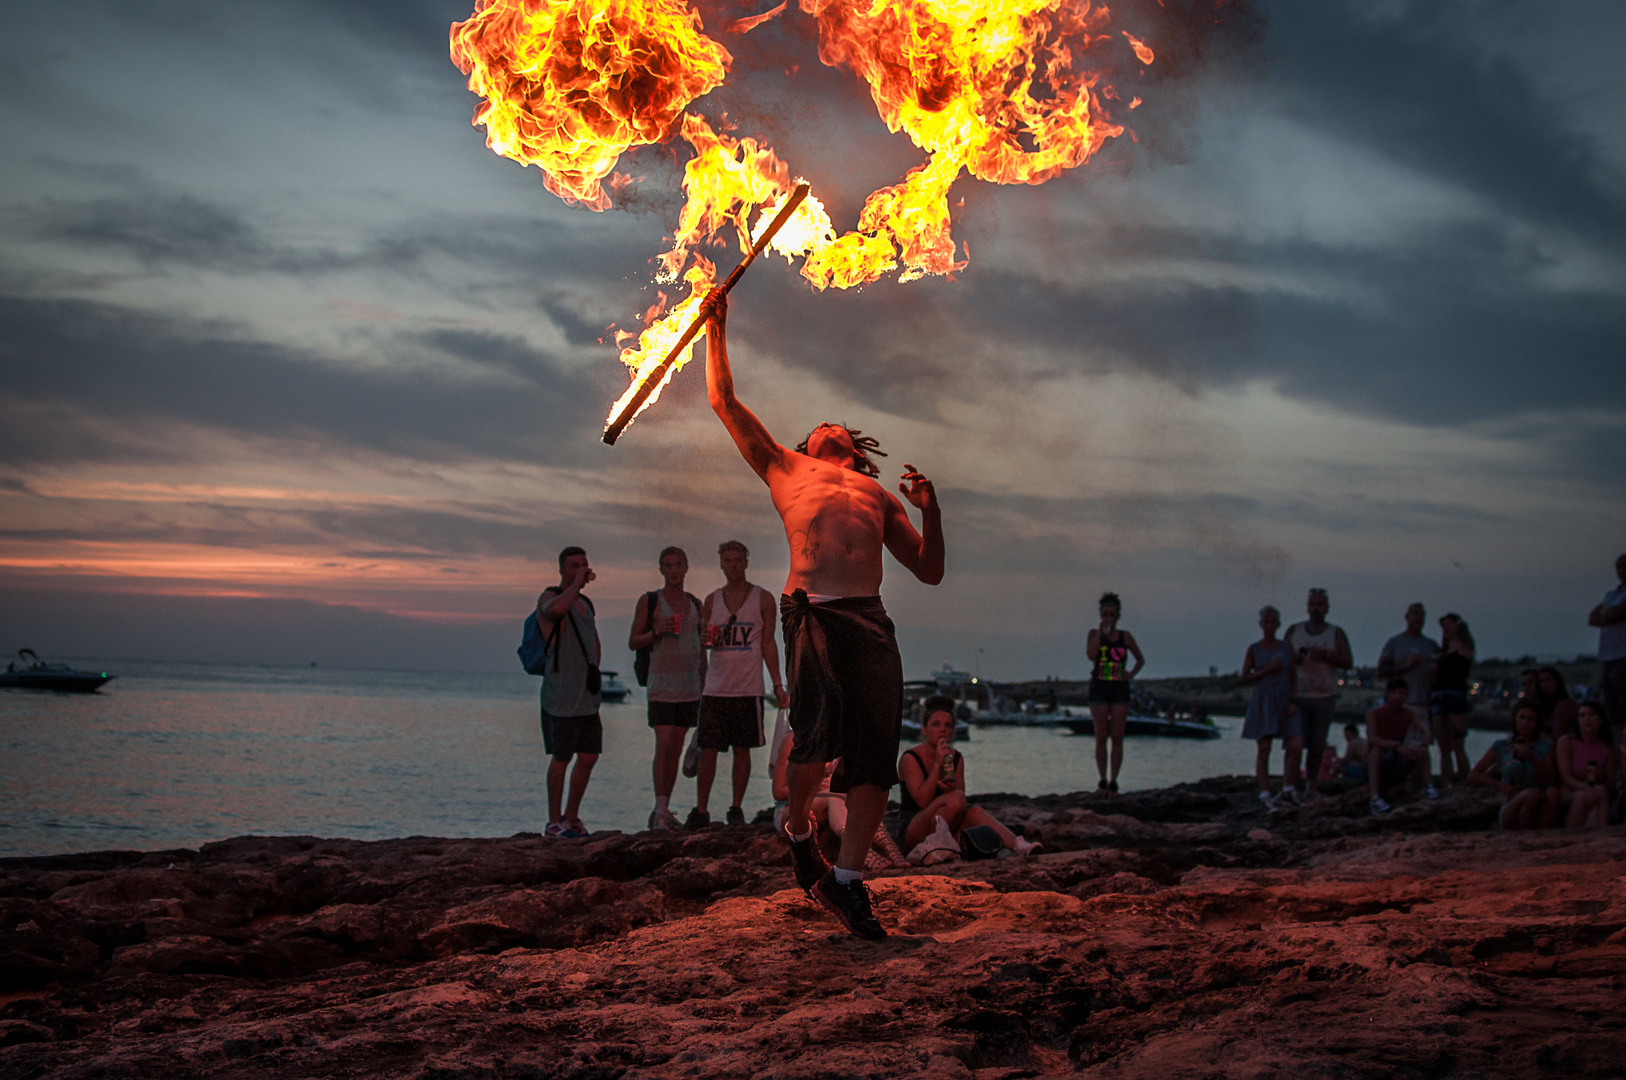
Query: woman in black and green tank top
(1110, 649)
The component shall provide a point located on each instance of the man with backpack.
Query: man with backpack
(570, 690)
(666, 630)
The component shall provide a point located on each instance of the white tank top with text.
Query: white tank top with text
(734, 668)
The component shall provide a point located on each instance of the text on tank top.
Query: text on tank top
(1316, 678)
(674, 659)
(1110, 658)
(734, 667)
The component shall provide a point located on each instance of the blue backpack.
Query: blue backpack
(533, 647)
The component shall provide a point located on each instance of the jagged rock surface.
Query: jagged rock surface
(1176, 932)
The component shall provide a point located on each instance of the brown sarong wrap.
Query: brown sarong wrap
(846, 686)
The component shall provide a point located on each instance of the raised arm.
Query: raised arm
(550, 611)
(921, 553)
(758, 447)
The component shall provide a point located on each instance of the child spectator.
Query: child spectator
(1524, 770)
(1587, 770)
(1354, 759)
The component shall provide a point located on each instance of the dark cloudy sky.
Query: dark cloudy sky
(291, 364)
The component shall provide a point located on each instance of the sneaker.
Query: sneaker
(736, 816)
(698, 819)
(1026, 847)
(1266, 801)
(575, 830)
(807, 860)
(1431, 792)
(558, 830)
(668, 820)
(654, 819)
(850, 904)
(1379, 806)
(1289, 799)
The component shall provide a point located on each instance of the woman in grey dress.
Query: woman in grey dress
(1271, 712)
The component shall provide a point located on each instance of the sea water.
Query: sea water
(178, 755)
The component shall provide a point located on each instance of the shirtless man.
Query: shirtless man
(841, 659)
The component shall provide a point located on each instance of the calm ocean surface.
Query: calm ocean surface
(177, 755)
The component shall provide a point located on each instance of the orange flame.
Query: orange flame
(569, 85)
(1142, 53)
(993, 88)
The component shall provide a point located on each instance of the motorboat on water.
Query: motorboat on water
(611, 688)
(1167, 727)
(29, 672)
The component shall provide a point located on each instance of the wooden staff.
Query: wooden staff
(619, 424)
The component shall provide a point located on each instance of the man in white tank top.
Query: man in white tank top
(1320, 652)
(739, 635)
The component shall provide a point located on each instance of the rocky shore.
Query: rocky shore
(1173, 932)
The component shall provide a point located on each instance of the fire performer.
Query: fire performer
(842, 664)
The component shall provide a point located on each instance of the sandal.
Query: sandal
(1101, 787)
(1112, 786)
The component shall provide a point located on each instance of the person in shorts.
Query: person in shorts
(1110, 649)
(667, 623)
(1320, 652)
(1396, 741)
(571, 727)
(738, 621)
(843, 668)
(1448, 701)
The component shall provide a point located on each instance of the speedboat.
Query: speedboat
(611, 688)
(29, 672)
(1168, 727)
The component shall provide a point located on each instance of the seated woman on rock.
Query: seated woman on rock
(829, 810)
(931, 783)
(1586, 770)
(1558, 709)
(1524, 769)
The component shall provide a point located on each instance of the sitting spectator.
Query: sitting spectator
(1397, 744)
(829, 811)
(1522, 768)
(1586, 769)
(1448, 705)
(931, 781)
(1354, 759)
(1557, 707)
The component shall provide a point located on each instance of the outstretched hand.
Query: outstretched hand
(916, 488)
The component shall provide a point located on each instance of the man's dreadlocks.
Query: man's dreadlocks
(864, 444)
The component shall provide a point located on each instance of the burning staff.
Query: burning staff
(654, 378)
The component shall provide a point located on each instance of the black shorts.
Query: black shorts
(1449, 703)
(681, 714)
(727, 722)
(1393, 767)
(564, 737)
(1109, 691)
(845, 679)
